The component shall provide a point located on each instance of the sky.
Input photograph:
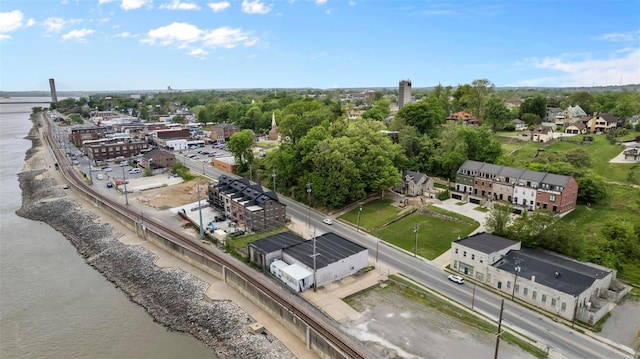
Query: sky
(113, 45)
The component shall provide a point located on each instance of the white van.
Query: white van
(135, 170)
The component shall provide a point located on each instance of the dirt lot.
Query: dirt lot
(175, 195)
(411, 330)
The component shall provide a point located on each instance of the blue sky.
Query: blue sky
(93, 45)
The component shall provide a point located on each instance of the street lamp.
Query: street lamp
(517, 270)
(359, 212)
(274, 180)
(308, 204)
(415, 244)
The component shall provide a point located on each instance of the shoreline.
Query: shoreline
(171, 295)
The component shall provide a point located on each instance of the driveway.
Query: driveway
(466, 209)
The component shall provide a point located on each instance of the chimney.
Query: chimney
(533, 278)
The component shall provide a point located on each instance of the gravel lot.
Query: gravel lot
(410, 330)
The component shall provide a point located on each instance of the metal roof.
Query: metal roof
(277, 242)
(485, 242)
(556, 180)
(330, 248)
(552, 270)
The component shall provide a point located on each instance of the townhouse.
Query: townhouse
(524, 189)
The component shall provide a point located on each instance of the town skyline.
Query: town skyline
(119, 45)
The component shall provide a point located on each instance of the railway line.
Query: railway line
(311, 316)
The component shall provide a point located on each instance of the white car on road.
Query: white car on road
(456, 279)
(327, 221)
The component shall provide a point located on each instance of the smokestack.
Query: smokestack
(54, 95)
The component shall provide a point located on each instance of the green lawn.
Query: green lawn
(601, 152)
(434, 235)
(374, 214)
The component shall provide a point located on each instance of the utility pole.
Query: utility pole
(124, 183)
(499, 333)
(377, 249)
(200, 212)
(359, 212)
(308, 204)
(513, 293)
(274, 180)
(314, 255)
(473, 296)
(415, 241)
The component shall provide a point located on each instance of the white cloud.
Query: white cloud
(321, 54)
(218, 6)
(30, 22)
(588, 72)
(255, 7)
(321, 2)
(228, 38)
(100, 2)
(352, 3)
(64, 2)
(177, 34)
(620, 37)
(183, 35)
(198, 53)
(10, 21)
(177, 5)
(134, 4)
(78, 35)
(123, 34)
(4, 37)
(53, 24)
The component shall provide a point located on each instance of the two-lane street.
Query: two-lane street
(560, 338)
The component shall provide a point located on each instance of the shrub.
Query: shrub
(444, 195)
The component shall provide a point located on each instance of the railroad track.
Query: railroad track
(309, 315)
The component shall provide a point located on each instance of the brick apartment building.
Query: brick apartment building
(105, 151)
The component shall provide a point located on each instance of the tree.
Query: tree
(536, 105)
(178, 119)
(426, 115)
(203, 115)
(482, 89)
(531, 119)
(379, 111)
(584, 99)
(464, 98)
(528, 226)
(593, 188)
(498, 218)
(496, 115)
(241, 145)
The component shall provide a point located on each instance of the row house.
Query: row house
(525, 189)
(246, 204)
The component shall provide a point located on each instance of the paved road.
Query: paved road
(562, 340)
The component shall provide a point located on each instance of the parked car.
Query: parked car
(135, 170)
(100, 176)
(107, 169)
(109, 185)
(456, 279)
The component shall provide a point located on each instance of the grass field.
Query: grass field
(434, 235)
(374, 214)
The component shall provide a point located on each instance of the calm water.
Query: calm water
(52, 304)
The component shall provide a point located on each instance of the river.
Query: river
(52, 304)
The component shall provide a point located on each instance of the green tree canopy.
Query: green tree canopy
(241, 145)
(497, 115)
(426, 115)
(533, 105)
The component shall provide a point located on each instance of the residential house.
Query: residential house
(157, 158)
(246, 204)
(576, 128)
(602, 122)
(554, 283)
(542, 134)
(573, 114)
(554, 114)
(519, 124)
(415, 183)
(463, 117)
(524, 189)
(511, 104)
(525, 135)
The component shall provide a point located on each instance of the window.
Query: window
(473, 256)
(553, 302)
(563, 307)
(517, 288)
(508, 284)
(552, 198)
(534, 294)
(481, 260)
(544, 298)
(455, 264)
(525, 291)
(464, 254)
(456, 250)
